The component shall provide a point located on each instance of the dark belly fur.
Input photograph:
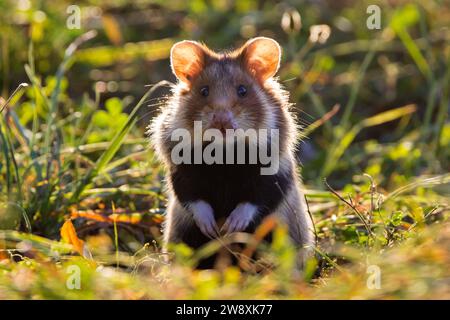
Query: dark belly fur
(224, 186)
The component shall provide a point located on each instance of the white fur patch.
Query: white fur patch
(240, 217)
(204, 218)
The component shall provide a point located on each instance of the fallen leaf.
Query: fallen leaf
(69, 235)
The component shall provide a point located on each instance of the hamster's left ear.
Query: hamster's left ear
(261, 56)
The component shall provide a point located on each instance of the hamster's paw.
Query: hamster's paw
(204, 218)
(240, 217)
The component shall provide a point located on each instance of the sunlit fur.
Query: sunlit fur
(265, 106)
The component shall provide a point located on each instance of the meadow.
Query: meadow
(81, 192)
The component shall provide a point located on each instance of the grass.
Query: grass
(80, 188)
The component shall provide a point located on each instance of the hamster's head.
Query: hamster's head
(226, 90)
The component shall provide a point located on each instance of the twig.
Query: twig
(372, 193)
(360, 216)
(313, 223)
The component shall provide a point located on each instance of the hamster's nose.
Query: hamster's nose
(222, 120)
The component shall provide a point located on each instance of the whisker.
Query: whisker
(152, 109)
(308, 114)
(166, 83)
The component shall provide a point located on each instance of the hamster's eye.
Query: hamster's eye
(241, 90)
(204, 91)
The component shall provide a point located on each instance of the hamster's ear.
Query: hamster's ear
(187, 60)
(261, 56)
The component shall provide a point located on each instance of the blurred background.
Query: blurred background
(370, 84)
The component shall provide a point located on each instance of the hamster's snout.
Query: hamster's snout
(222, 120)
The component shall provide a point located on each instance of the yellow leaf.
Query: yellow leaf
(69, 235)
(112, 29)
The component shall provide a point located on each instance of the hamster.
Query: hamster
(227, 92)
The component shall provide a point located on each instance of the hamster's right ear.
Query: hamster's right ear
(187, 59)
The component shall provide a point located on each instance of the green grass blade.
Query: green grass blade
(383, 117)
(62, 69)
(355, 88)
(116, 143)
(5, 150)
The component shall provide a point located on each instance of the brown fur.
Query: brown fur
(265, 106)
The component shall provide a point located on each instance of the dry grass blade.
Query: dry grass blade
(22, 85)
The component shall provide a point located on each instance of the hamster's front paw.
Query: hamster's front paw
(204, 218)
(240, 217)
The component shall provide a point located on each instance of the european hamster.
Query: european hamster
(228, 92)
